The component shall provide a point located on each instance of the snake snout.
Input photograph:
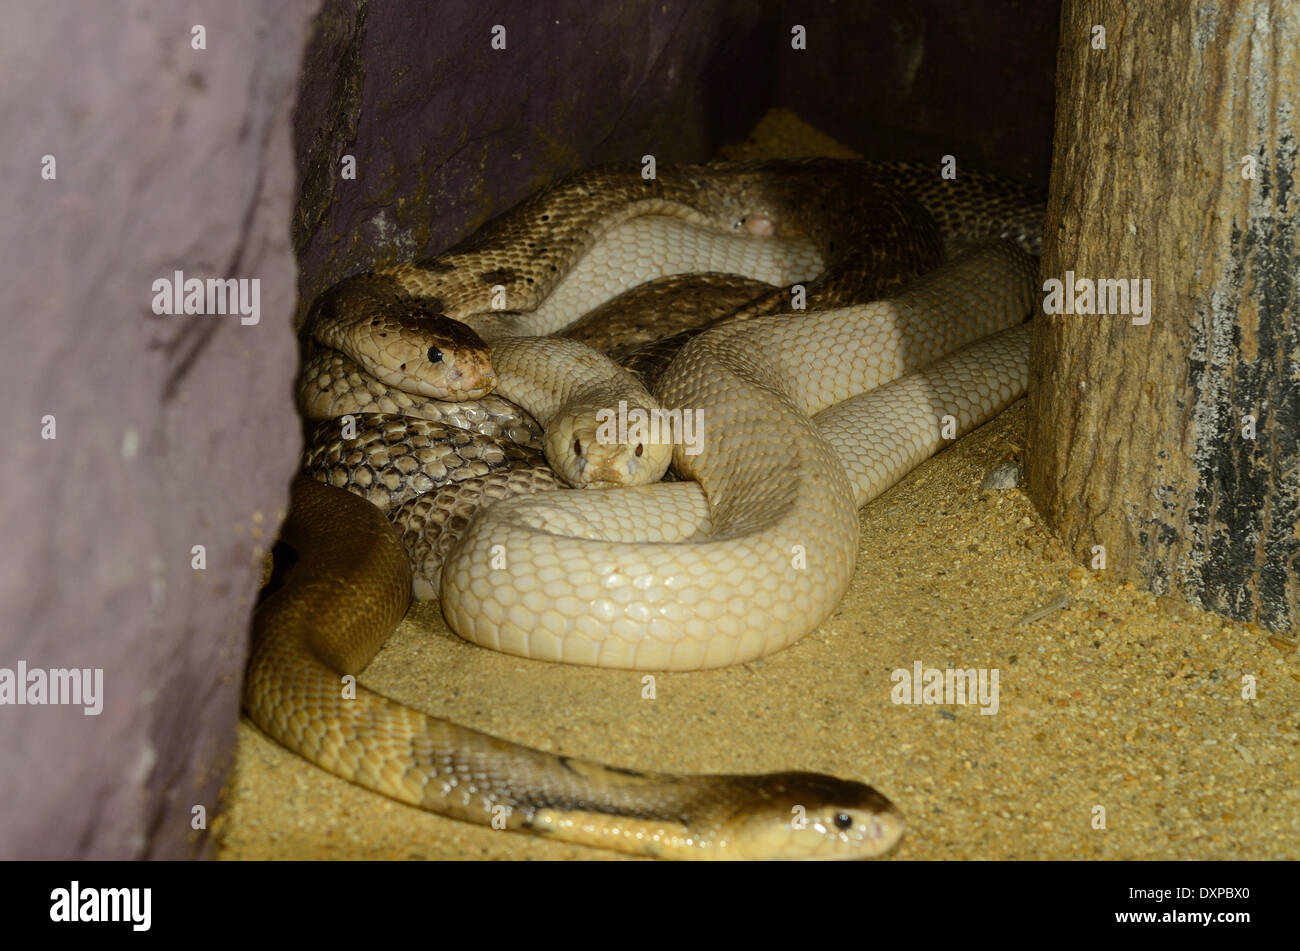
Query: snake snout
(471, 381)
(584, 458)
(813, 816)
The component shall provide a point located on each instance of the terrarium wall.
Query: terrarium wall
(449, 114)
(174, 155)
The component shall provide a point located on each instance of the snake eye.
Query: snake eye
(639, 449)
(843, 821)
(435, 355)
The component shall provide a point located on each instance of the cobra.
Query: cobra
(807, 416)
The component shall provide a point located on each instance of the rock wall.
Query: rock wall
(136, 436)
(451, 117)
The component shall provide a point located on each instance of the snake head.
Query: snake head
(429, 354)
(586, 450)
(401, 340)
(811, 816)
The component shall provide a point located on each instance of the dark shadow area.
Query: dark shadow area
(447, 130)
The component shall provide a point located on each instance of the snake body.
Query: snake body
(807, 416)
(295, 693)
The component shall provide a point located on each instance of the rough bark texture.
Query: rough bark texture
(170, 431)
(1140, 435)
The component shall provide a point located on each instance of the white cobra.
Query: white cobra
(805, 417)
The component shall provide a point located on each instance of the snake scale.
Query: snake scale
(806, 413)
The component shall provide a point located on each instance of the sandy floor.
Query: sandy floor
(1116, 700)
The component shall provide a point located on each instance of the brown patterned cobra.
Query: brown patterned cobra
(808, 416)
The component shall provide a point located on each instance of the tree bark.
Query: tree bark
(1174, 443)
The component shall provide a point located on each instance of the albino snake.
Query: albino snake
(806, 416)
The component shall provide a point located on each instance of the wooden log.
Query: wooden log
(1166, 439)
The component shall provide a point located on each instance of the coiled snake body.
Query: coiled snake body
(806, 416)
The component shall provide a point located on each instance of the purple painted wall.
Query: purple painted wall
(169, 432)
